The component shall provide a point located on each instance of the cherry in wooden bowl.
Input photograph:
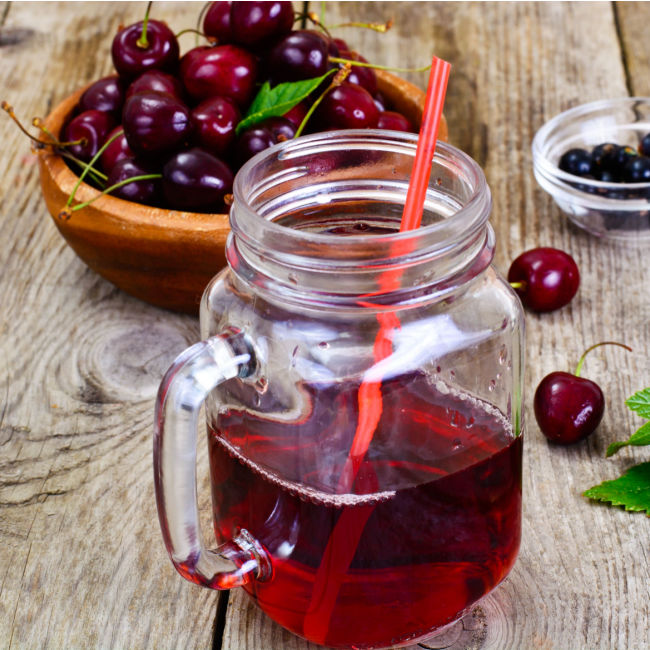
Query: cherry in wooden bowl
(164, 257)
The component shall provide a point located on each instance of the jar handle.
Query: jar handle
(183, 390)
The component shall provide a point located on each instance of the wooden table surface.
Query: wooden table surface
(82, 563)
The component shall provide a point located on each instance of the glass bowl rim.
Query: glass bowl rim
(564, 181)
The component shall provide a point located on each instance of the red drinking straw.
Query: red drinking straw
(342, 544)
(414, 206)
(370, 403)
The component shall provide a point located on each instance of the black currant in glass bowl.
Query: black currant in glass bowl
(592, 160)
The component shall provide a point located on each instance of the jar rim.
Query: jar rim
(464, 222)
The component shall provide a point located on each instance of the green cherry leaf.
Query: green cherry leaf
(631, 491)
(638, 439)
(640, 403)
(276, 101)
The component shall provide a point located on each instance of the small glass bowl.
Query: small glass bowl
(609, 210)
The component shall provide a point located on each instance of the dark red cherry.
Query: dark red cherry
(393, 121)
(251, 142)
(156, 81)
(300, 55)
(341, 45)
(91, 126)
(568, 408)
(281, 128)
(214, 122)
(362, 76)
(155, 123)
(143, 191)
(132, 59)
(189, 57)
(196, 180)
(348, 106)
(217, 21)
(380, 102)
(225, 70)
(545, 278)
(117, 150)
(106, 94)
(297, 114)
(260, 24)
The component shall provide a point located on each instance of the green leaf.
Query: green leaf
(638, 439)
(640, 403)
(632, 490)
(274, 102)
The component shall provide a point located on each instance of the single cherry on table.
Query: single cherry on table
(544, 278)
(568, 407)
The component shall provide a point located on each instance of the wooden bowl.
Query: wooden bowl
(164, 257)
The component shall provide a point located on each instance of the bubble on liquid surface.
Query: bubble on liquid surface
(456, 444)
(492, 385)
(323, 345)
(305, 492)
(262, 385)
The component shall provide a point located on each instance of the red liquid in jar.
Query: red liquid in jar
(433, 524)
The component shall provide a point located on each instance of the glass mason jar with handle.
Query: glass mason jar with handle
(363, 394)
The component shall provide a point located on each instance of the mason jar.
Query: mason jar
(363, 395)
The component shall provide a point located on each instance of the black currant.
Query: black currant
(577, 162)
(637, 170)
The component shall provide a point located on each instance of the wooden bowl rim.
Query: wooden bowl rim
(134, 214)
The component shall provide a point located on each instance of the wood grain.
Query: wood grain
(582, 577)
(82, 563)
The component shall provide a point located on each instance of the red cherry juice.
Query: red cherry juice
(432, 522)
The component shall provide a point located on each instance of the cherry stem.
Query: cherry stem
(382, 28)
(361, 64)
(96, 175)
(338, 79)
(38, 123)
(521, 284)
(8, 108)
(199, 20)
(67, 213)
(593, 347)
(316, 20)
(191, 30)
(93, 160)
(143, 42)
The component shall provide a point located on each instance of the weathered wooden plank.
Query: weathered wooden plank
(82, 561)
(581, 580)
(632, 19)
